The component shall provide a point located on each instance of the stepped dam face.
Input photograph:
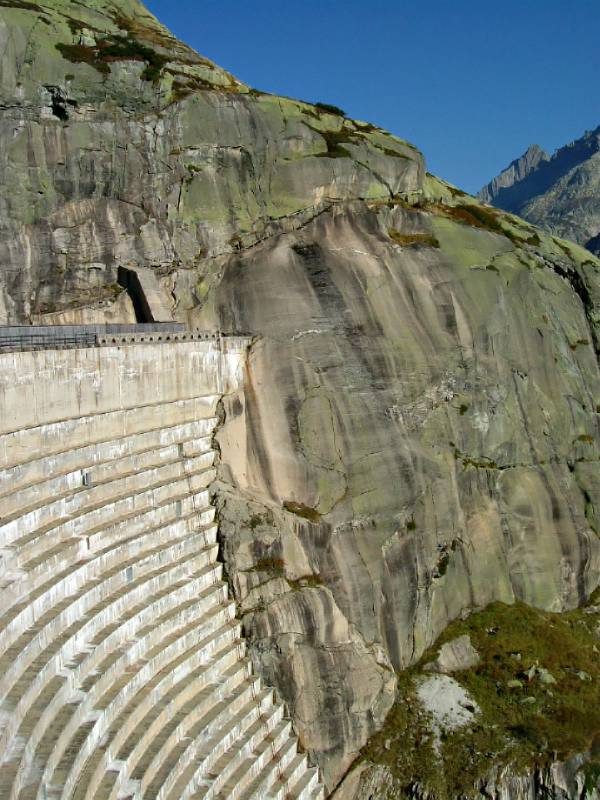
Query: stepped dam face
(123, 671)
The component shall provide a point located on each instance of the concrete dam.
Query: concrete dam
(123, 670)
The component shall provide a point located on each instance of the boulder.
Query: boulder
(454, 656)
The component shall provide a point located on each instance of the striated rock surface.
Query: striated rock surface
(410, 433)
(121, 146)
(559, 193)
(418, 433)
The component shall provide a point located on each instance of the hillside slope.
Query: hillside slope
(419, 434)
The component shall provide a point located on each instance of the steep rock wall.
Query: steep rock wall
(421, 429)
(516, 172)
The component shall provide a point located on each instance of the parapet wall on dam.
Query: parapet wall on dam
(123, 671)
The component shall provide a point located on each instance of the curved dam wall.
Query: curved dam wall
(123, 671)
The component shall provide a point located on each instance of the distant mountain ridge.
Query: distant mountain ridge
(560, 193)
(516, 171)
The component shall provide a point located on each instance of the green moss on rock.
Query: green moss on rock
(330, 109)
(300, 510)
(413, 239)
(335, 141)
(536, 684)
(115, 48)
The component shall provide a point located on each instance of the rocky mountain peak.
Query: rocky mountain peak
(516, 171)
(560, 193)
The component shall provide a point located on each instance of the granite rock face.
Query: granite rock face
(562, 781)
(408, 430)
(454, 656)
(121, 146)
(559, 193)
(419, 427)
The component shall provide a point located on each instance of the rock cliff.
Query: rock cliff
(418, 433)
(559, 782)
(560, 194)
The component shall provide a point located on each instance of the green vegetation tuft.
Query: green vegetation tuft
(129, 49)
(82, 54)
(274, 566)
(256, 520)
(591, 772)
(442, 565)
(185, 85)
(305, 582)
(456, 192)
(330, 109)
(116, 48)
(388, 151)
(525, 721)
(413, 239)
(477, 216)
(335, 141)
(138, 29)
(585, 438)
(405, 745)
(300, 510)
(478, 463)
(578, 343)
(484, 217)
(22, 4)
(366, 127)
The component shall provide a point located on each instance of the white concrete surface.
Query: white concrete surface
(123, 672)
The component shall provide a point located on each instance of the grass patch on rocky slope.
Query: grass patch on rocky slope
(300, 510)
(477, 216)
(537, 685)
(115, 48)
(22, 4)
(335, 141)
(330, 109)
(137, 28)
(413, 239)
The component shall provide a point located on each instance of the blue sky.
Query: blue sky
(472, 84)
